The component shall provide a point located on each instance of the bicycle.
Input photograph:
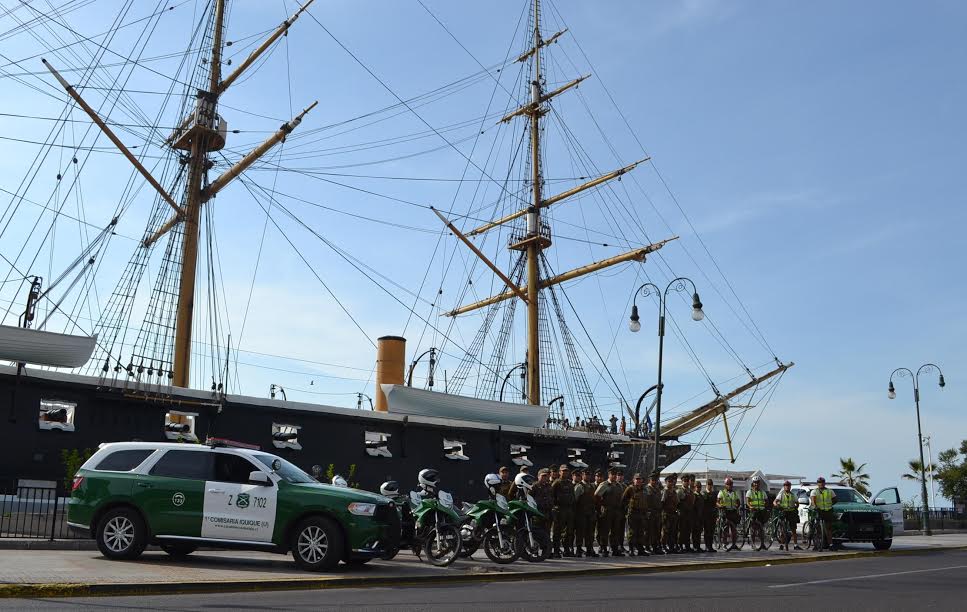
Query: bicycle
(814, 531)
(721, 534)
(777, 529)
(752, 531)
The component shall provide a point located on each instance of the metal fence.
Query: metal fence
(940, 518)
(33, 511)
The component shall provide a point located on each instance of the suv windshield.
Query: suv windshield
(288, 472)
(848, 496)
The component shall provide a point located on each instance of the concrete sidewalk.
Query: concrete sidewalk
(53, 573)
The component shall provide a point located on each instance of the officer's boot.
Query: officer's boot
(591, 552)
(616, 552)
(556, 553)
(568, 552)
(578, 552)
(604, 551)
(642, 552)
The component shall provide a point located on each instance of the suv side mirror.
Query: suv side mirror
(879, 501)
(260, 478)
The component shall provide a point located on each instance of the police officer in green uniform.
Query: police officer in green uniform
(697, 515)
(686, 508)
(584, 516)
(505, 482)
(653, 514)
(562, 494)
(669, 516)
(541, 492)
(822, 500)
(599, 478)
(608, 498)
(709, 514)
(755, 501)
(622, 514)
(787, 503)
(728, 502)
(576, 537)
(635, 501)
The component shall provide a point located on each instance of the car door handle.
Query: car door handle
(218, 491)
(146, 485)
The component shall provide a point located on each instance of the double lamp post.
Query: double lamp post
(891, 393)
(678, 284)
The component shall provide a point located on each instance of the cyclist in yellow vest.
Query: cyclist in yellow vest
(788, 505)
(822, 500)
(728, 503)
(755, 502)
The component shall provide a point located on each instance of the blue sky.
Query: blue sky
(817, 148)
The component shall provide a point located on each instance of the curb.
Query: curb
(16, 544)
(295, 584)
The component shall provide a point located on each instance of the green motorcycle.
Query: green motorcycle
(489, 523)
(531, 540)
(433, 522)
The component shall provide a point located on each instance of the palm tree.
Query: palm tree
(853, 475)
(914, 473)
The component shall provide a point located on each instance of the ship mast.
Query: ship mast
(197, 170)
(200, 134)
(534, 247)
(536, 236)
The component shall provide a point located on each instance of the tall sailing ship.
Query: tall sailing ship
(86, 368)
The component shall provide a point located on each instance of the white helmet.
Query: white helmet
(390, 488)
(756, 480)
(524, 481)
(339, 481)
(491, 481)
(429, 478)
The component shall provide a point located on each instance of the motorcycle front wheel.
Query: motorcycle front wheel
(533, 546)
(442, 545)
(499, 545)
(468, 542)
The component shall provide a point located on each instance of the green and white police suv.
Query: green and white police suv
(225, 495)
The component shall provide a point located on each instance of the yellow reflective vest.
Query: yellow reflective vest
(756, 499)
(728, 499)
(787, 501)
(824, 499)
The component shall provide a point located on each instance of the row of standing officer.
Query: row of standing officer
(584, 510)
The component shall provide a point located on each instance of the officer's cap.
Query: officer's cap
(599, 472)
(669, 478)
(613, 471)
(543, 471)
(654, 476)
(564, 466)
(637, 476)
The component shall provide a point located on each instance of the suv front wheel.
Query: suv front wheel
(121, 534)
(317, 544)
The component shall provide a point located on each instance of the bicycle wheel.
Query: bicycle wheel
(721, 534)
(757, 535)
(743, 534)
(782, 532)
(821, 535)
(769, 537)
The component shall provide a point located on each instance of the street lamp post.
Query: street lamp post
(677, 284)
(638, 408)
(891, 393)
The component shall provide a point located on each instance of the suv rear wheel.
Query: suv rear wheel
(317, 544)
(121, 534)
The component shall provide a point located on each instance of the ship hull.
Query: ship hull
(326, 435)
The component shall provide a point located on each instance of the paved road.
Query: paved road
(931, 581)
